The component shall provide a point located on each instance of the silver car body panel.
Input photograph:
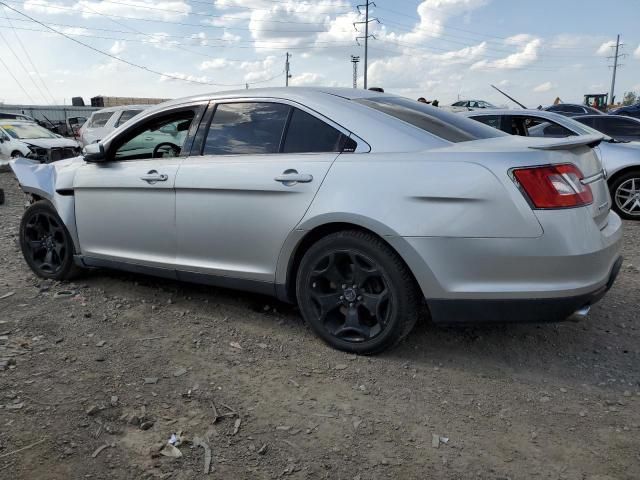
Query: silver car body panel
(615, 156)
(450, 210)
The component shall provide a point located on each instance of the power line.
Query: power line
(16, 80)
(19, 60)
(199, 25)
(135, 65)
(33, 65)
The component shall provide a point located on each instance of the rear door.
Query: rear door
(262, 164)
(620, 128)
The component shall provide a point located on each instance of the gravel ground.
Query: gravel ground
(122, 361)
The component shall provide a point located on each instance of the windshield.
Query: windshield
(442, 124)
(26, 131)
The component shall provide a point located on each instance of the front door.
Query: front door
(125, 207)
(261, 167)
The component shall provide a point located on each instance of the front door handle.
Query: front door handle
(153, 176)
(291, 177)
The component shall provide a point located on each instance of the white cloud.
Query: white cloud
(167, 10)
(310, 79)
(637, 52)
(230, 37)
(214, 64)
(177, 76)
(45, 7)
(605, 48)
(544, 87)
(161, 40)
(118, 47)
(527, 55)
(71, 31)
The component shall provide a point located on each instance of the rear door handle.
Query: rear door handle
(153, 176)
(291, 177)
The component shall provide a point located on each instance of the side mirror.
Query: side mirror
(94, 153)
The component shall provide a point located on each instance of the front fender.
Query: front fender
(52, 182)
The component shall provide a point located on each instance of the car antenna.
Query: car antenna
(509, 97)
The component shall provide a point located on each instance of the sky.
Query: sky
(438, 49)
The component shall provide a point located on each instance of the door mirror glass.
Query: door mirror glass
(94, 153)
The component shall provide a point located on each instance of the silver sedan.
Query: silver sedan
(365, 209)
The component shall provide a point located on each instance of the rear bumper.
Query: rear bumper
(517, 310)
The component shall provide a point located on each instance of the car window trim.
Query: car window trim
(362, 145)
(197, 106)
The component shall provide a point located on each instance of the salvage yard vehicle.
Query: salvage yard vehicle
(624, 129)
(43, 145)
(466, 105)
(12, 147)
(620, 159)
(572, 109)
(628, 110)
(102, 122)
(365, 209)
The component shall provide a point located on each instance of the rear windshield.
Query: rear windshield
(448, 126)
(99, 119)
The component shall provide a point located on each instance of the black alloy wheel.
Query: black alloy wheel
(356, 293)
(46, 245)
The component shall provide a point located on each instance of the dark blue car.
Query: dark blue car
(629, 111)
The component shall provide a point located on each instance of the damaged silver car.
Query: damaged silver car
(365, 209)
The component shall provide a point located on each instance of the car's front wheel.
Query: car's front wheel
(46, 244)
(625, 191)
(356, 293)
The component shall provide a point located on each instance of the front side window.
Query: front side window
(547, 128)
(160, 137)
(127, 115)
(98, 120)
(445, 125)
(246, 128)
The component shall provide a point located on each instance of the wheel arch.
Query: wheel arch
(619, 173)
(301, 239)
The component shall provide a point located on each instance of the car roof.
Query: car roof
(122, 107)
(506, 111)
(17, 121)
(288, 93)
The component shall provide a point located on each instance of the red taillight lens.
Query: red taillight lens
(554, 186)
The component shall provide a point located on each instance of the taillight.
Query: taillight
(554, 186)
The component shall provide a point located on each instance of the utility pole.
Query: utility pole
(366, 36)
(287, 75)
(615, 68)
(355, 60)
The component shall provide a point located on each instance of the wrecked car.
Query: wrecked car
(43, 145)
(365, 209)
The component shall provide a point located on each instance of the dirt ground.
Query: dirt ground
(122, 361)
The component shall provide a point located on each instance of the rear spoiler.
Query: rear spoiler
(570, 143)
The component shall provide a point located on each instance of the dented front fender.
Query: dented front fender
(52, 182)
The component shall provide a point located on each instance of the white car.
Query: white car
(105, 121)
(42, 144)
(12, 147)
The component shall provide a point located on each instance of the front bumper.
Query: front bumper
(518, 310)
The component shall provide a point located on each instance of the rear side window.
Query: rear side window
(442, 124)
(589, 122)
(307, 134)
(127, 115)
(490, 120)
(618, 127)
(246, 128)
(98, 120)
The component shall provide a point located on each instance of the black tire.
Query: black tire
(619, 192)
(383, 284)
(16, 154)
(1, 196)
(46, 244)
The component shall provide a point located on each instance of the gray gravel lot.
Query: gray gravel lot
(124, 361)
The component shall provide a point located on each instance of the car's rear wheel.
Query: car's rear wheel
(16, 154)
(46, 244)
(356, 293)
(625, 191)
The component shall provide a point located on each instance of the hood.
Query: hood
(51, 142)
